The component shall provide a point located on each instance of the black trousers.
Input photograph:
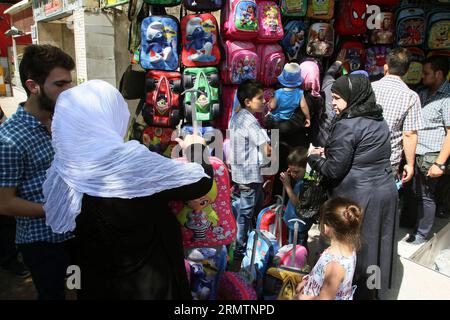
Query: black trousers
(48, 264)
(8, 250)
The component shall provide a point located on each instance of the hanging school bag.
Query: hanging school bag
(272, 60)
(294, 8)
(355, 55)
(241, 62)
(295, 33)
(203, 5)
(239, 20)
(351, 18)
(159, 43)
(320, 9)
(199, 34)
(414, 74)
(438, 30)
(320, 40)
(375, 60)
(410, 27)
(270, 28)
(384, 34)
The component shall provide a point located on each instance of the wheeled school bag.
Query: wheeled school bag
(320, 9)
(384, 34)
(159, 43)
(241, 62)
(232, 286)
(355, 55)
(271, 219)
(320, 40)
(239, 20)
(270, 28)
(294, 8)
(199, 34)
(207, 106)
(410, 27)
(351, 18)
(295, 34)
(165, 3)
(375, 60)
(208, 221)
(162, 102)
(272, 60)
(438, 30)
(414, 74)
(203, 5)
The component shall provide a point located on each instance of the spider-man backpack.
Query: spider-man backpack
(351, 18)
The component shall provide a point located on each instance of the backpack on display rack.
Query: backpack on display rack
(270, 28)
(438, 29)
(320, 9)
(410, 27)
(239, 20)
(351, 18)
(320, 40)
(295, 33)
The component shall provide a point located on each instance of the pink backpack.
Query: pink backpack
(241, 62)
(239, 20)
(208, 221)
(272, 60)
(269, 22)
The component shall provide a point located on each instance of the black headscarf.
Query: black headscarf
(357, 91)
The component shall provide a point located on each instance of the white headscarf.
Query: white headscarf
(91, 157)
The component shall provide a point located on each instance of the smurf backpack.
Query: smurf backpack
(159, 43)
(239, 20)
(295, 33)
(384, 34)
(414, 74)
(203, 5)
(438, 28)
(199, 39)
(355, 55)
(375, 61)
(270, 28)
(294, 8)
(320, 40)
(241, 62)
(320, 9)
(351, 18)
(410, 27)
(272, 60)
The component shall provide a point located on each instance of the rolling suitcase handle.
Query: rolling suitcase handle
(294, 248)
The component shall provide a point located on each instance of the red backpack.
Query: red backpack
(351, 18)
(199, 34)
(162, 105)
(355, 55)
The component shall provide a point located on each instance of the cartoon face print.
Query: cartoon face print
(320, 6)
(161, 104)
(202, 100)
(200, 203)
(358, 14)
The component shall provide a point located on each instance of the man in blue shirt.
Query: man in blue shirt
(25, 154)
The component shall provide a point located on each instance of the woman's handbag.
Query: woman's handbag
(312, 195)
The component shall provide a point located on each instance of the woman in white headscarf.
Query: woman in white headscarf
(115, 195)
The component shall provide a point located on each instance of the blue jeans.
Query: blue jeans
(245, 207)
(302, 238)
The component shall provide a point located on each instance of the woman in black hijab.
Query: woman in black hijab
(357, 166)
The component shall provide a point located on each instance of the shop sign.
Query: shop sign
(112, 3)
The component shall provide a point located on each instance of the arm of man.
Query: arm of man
(434, 171)
(409, 147)
(305, 110)
(11, 205)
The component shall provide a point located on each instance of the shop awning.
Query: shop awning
(18, 7)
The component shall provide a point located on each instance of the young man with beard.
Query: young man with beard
(25, 154)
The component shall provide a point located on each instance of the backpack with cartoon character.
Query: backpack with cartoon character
(410, 27)
(239, 20)
(438, 27)
(162, 98)
(351, 18)
(270, 28)
(385, 34)
(320, 40)
(203, 5)
(159, 43)
(293, 8)
(272, 60)
(241, 62)
(208, 221)
(355, 55)
(414, 74)
(295, 33)
(320, 9)
(206, 80)
(199, 40)
(375, 61)
(159, 140)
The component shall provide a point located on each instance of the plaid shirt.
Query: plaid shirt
(401, 110)
(436, 114)
(246, 140)
(25, 155)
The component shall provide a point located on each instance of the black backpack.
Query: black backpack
(312, 195)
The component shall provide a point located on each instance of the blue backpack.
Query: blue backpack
(410, 27)
(159, 43)
(295, 34)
